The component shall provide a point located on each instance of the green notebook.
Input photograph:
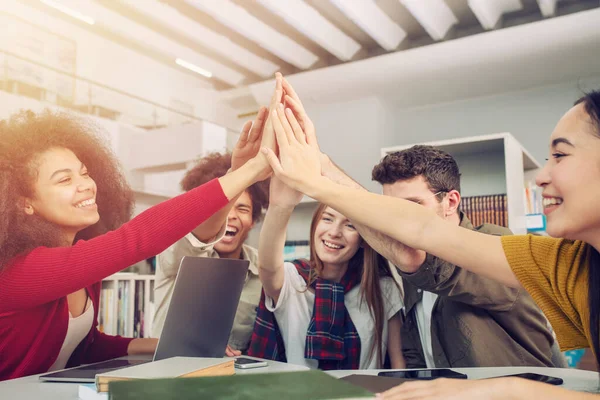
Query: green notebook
(304, 385)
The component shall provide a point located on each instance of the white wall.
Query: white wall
(119, 67)
(351, 133)
(529, 115)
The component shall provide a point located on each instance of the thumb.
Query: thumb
(273, 160)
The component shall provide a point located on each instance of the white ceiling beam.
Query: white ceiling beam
(489, 12)
(196, 32)
(371, 19)
(241, 21)
(313, 25)
(547, 7)
(148, 38)
(434, 16)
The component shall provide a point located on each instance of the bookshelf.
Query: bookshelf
(494, 164)
(127, 305)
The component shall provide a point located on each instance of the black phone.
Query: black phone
(424, 374)
(536, 377)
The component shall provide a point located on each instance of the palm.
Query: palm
(242, 152)
(249, 142)
(282, 195)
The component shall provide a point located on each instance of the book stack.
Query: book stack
(304, 385)
(491, 209)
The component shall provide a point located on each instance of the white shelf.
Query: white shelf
(490, 164)
(126, 276)
(472, 145)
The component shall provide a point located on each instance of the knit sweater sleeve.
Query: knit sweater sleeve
(46, 274)
(554, 272)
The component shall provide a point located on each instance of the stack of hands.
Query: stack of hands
(283, 138)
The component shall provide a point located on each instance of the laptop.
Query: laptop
(198, 322)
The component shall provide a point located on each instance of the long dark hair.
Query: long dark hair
(591, 102)
(373, 267)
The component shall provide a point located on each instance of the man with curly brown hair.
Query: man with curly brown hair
(222, 236)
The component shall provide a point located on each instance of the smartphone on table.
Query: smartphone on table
(536, 377)
(247, 363)
(424, 374)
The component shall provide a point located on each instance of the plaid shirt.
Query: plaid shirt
(331, 337)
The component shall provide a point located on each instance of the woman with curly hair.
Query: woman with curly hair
(64, 207)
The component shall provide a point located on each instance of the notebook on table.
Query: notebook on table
(303, 385)
(176, 367)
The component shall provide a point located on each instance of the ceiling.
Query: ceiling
(241, 42)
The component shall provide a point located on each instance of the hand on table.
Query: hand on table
(230, 352)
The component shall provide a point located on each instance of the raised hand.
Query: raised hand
(283, 196)
(298, 164)
(249, 142)
(292, 100)
(268, 137)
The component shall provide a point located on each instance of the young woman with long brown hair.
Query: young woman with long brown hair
(338, 310)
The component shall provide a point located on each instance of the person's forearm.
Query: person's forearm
(395, 342)
(234, 183)
(405, 258)
(270, 249)
(209, 229)
(417, 227)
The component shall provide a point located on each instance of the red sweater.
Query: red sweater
(34, 313)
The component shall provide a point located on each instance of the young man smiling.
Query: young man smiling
(221, 236)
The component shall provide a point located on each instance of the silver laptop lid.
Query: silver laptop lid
(202, 309)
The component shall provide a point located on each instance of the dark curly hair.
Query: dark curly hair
(23, 138)
(215, 165)
(437, 167)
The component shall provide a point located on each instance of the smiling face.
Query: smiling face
(64, 193)
(335, 239)
(239, 224)
(571, 178)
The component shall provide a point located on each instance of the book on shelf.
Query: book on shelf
(124, 300)
(175, 367)
(535, 218)
(313, 384)
(491, 209)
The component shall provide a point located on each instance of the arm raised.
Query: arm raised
(299, 166)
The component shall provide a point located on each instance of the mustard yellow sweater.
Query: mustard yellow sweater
(555, 273)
